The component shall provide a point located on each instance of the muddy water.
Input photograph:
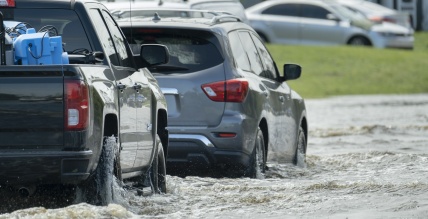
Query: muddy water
(367, 158)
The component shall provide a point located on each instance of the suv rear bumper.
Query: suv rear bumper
(47, 167)
(197, 150)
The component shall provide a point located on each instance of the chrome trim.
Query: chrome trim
(200, 138)
(54, 154)
(172, 91)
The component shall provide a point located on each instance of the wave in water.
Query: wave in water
(368, 129)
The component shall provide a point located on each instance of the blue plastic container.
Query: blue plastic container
(38, 49)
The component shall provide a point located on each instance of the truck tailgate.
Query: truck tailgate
(31, 107)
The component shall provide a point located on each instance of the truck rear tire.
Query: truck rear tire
(100, 187)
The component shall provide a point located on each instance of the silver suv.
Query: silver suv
(228, 105)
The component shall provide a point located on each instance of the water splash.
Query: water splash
(108, 188)
(301, 159)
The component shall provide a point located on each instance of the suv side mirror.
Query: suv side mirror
(154, 54)
(291, 72)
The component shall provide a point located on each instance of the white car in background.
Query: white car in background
(316, 22)
(233, 7)
(125, 9)
(378, 13)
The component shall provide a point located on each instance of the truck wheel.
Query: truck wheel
(158, 171)
(100, 187)
(258, 161)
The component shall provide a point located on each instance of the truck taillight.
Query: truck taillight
(76, 105)
(234, 90)
(7, 3)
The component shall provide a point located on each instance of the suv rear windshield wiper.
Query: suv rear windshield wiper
(163, 68)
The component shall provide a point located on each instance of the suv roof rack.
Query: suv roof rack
(220, 17)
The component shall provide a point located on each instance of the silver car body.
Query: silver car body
(378, 13)
(339, 25)
(232, 6)
(218, 133)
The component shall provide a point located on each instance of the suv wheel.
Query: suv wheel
(158, 171)
(300, 156)
(257, 166)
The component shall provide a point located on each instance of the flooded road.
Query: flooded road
(367, 158)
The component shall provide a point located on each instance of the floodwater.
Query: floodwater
(367, 158)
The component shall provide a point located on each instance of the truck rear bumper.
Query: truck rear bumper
(47, 167)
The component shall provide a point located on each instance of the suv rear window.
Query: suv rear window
(189, 50)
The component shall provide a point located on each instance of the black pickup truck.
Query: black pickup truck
(75, 109)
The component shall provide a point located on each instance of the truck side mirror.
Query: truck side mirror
(154, 54)
(98, 56)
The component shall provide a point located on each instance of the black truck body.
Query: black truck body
(55, 117)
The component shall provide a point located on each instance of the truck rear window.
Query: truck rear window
(61, 22)
(189, 50)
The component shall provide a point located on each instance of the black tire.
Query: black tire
(100, 187)
(158, 171)
(263, 37)
(300, 155)
(257, 166)
(359, 41)
(117, 170)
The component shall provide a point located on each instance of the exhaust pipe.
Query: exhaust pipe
(25, 192)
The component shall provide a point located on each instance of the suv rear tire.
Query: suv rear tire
(158, 170)
(257, 166)
(300, 155)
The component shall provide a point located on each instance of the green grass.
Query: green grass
(345, 70)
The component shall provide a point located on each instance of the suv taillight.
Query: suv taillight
(76, 105)
(234, 90)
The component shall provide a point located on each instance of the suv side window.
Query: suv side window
(238, 52)
(270, 70)
(283, 10)
(313, 11)
(253, 55)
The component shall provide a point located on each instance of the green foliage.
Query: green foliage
(346, 70)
